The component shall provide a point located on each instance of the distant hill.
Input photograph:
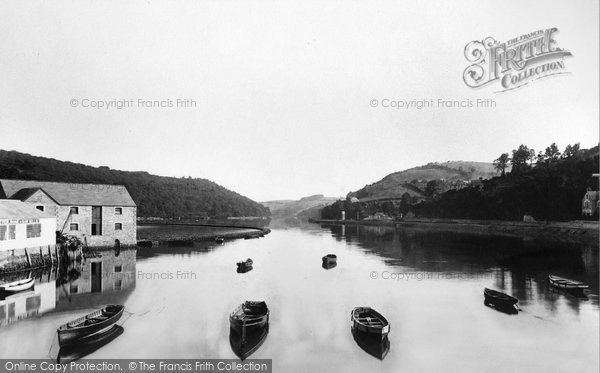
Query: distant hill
(286, 213)
(287, 208)
(414, 180)
(154, 195)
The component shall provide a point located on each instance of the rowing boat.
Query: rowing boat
(329, 259)
(500, 301)
(86, 345)
(95, 322)
(248, 316)
(367, 320)
(244, 346)
(565, 283)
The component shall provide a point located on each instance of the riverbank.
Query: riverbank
(181, 233)
(575, 230)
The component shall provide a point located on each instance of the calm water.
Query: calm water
(434, 304)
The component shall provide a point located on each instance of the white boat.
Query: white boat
(17, 286)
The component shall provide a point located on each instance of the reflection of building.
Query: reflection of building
(98, 214)
(106, 273)
(23, 227)
(590, 203)
(27, 304)
(378, 216)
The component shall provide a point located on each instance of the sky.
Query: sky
(280, 93)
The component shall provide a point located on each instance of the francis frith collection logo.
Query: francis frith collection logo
(514, 63)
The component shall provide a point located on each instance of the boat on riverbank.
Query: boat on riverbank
(369, 321)
(17, 286)
(500, 301)
(93, 323)
(220, 239)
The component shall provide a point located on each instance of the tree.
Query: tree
(520, 157)
(571, 151)
(552, 152)
(501, 163)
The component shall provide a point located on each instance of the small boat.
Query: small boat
(566, 284)
(17, 286)
(220, 239)
(367, 320)
(245, 263)
(372, 344)
(500, 301)
(243, 347)
(244, 269)
(330, 258)
(249, 316)
(329, 265)
(86, 345)
(95, 322)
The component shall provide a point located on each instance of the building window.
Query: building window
(11, 232)
(41, 208)
(117, 285)
(118, 268)
(118, 211)
(2, 232)
(74, 227)
(75, 210)
(118, 226)
(34, 230)
(74, 289)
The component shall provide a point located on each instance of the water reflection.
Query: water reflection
(519, 266)
(374, 345)
(100, 277)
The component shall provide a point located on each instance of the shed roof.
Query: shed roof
(69, 193)
(13, 209)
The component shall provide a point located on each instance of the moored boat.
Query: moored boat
(329, 259)
(566, 284)
(249, 316)
(245, 263)
(86, 345)
(367, 320)
(85, 326)
(17, 286)
(220, 239)
(500, 301)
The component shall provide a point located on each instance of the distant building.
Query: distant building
(378, 216)
(590, 203)
(97, 214)
(22, 226)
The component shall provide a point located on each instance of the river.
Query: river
(429, 285)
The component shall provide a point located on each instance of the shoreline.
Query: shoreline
(575, 230)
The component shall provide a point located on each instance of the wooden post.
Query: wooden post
(28, 258)
(42, 256)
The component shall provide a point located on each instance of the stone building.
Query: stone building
(97, 214)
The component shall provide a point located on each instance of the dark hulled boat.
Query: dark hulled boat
(249, 316)
(245, 265)
(369, 321)
(500, 301)
(95, 322)
(329, 265)
(372, 344)
(329, 259)
(220, 239)
(86, 345)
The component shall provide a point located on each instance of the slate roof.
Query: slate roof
(69, 194)
(12, 209)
